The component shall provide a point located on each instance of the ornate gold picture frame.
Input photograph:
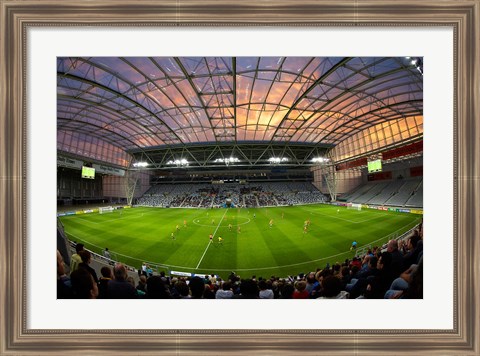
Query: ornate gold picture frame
(463, 16)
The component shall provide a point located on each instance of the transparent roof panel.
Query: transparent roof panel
(138, 103)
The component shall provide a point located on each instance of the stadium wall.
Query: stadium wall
(116, 187)
(70, 184)
(345, 180)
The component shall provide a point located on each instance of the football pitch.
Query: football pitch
(249, 245)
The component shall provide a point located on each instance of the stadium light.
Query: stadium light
(227, 160)
(179, 162)
(277, 159)
(140, 164)
(320, 160)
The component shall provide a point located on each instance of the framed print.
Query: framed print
(34, 34)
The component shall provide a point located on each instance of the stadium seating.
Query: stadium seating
(206, 195)
(399, 193)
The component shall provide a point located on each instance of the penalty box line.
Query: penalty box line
(209, 242)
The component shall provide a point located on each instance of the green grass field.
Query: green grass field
(144, 234)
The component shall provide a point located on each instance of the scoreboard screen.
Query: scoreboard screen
(375, 166)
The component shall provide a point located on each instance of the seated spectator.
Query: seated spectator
(157, 289)
(356, 262)
(197, 287)
(415, 285)
(182, 290)
(408, 280)
(107, 275)
(332, 289)
(119, 288)
(287, 291)
(300, 290)
(248, 290)
(142, 283)
(397, 258)
(414, 247)
(164, 278)
(86, 257)
(380, 283)
(208, 293)
(64, 285)
(345, 276)
(265, 292)
(83, 284)
(225, 292)
(140, 294)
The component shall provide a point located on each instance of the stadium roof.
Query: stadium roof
(161, 109)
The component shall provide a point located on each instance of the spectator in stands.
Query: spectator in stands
(164, 278)
(415, 285)
(248, 290)
(157, 289)
(380, 283)
(64, 285)
(182, 290)
(300, 290)
(107, 275)
(76, 259)
(358, 285)
(149, 271)
(319, 276)
(131, 280)
(397, 258)
(409, 285)
(311, 282)
(356, 262)
(225, 292)
(197, 287)
(345, 275)
(414, 247)
(287, 291)
(265, 292)
(210, 288)
(332, 288)
(86, 257)
(83, 284)
(119, 288)
(142, 283)
(400, 283)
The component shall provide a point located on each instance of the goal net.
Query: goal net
(354, 206)
(105, 210)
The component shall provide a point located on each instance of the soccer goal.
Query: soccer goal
(354, 206)
(105, 210)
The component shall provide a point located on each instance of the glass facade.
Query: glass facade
(83, 145)
(379, 136)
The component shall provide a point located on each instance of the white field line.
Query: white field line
(210, 242)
